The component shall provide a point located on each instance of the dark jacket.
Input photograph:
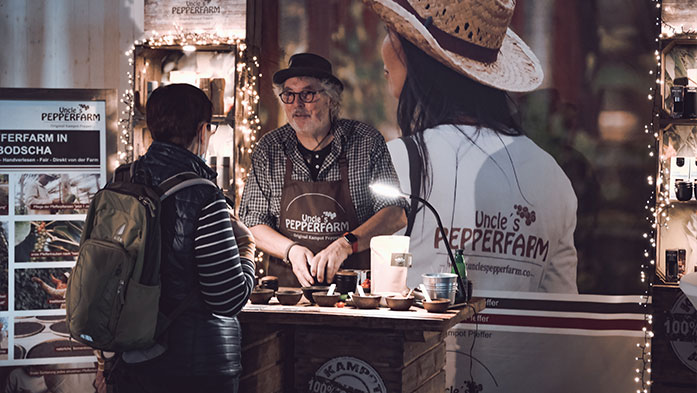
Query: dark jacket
(199, 343)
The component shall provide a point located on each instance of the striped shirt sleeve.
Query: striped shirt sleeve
(226, 279)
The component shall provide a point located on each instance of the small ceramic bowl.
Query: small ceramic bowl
(324, 300)
(398, 303)
(437, 305)
(308, 291)
(261, 295)
(289, 297)
(368, 301)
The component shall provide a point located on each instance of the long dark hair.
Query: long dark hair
(433, 94)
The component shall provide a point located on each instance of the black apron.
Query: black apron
(314, 214)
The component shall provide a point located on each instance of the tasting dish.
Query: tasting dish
(438, 305)
(324, 300)
(398, 303)
(289, 297)
(261, 296)
(308, 291)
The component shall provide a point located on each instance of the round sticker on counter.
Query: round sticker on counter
(679, 328)
(346, 374)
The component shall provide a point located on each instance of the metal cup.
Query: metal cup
(441, 285)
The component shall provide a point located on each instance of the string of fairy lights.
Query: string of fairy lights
(659, 203)
(247, 93)
(656, 205)
(247, 124)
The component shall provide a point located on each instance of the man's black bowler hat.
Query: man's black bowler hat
(307, 64)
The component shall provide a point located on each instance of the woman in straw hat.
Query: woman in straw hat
(504, 201)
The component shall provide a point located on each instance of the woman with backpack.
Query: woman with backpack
(200, 263)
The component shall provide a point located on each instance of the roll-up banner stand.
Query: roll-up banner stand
(56, 149)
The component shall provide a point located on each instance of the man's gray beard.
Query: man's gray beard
(305, 131)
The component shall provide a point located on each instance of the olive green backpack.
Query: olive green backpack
(112, 300)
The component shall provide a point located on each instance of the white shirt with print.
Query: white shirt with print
(517, 235)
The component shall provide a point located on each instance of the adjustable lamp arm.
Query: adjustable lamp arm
(394, 192)
(460, 282)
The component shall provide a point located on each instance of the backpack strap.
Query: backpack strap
(127, 173)
(180, 181)
(163, 322)
(415, 171)
(170, 186)
(167, 188)
(167, 319)
(123, 173)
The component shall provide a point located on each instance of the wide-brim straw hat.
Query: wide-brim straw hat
(470, 36)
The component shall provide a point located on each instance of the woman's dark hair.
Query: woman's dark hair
(433, 94)
(174, 113)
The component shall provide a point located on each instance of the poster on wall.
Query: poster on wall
(53, 160)
(226, 18)
(493, 351)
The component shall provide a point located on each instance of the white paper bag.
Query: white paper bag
(388, 277)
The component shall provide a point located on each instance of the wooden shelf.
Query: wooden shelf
(199, 48)
(667, 122)
(668, 43)
(690, 202)
(677, 203)
(217, 119)
(383, 318)
(222, 119)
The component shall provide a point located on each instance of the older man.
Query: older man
(307, 199)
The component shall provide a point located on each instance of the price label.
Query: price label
(401, 259)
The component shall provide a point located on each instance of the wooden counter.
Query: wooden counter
(307, 348)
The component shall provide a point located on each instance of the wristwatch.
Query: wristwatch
(352, 240)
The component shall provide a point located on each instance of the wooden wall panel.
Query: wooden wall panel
(68, 43)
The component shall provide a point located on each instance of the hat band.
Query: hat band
(450, 42)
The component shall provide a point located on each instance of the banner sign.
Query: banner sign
(546, 343)
(52, 163)
(226, 18)
(49, 134)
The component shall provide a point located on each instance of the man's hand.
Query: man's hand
(330, 259)
(299, 257)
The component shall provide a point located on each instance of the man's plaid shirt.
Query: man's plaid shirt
(368, 162)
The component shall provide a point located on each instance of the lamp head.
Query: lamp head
(387, 190)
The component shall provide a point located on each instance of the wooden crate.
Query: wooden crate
(433, 385)
(674, 342)
(284, 347)
(265, 353)
(405, 361)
